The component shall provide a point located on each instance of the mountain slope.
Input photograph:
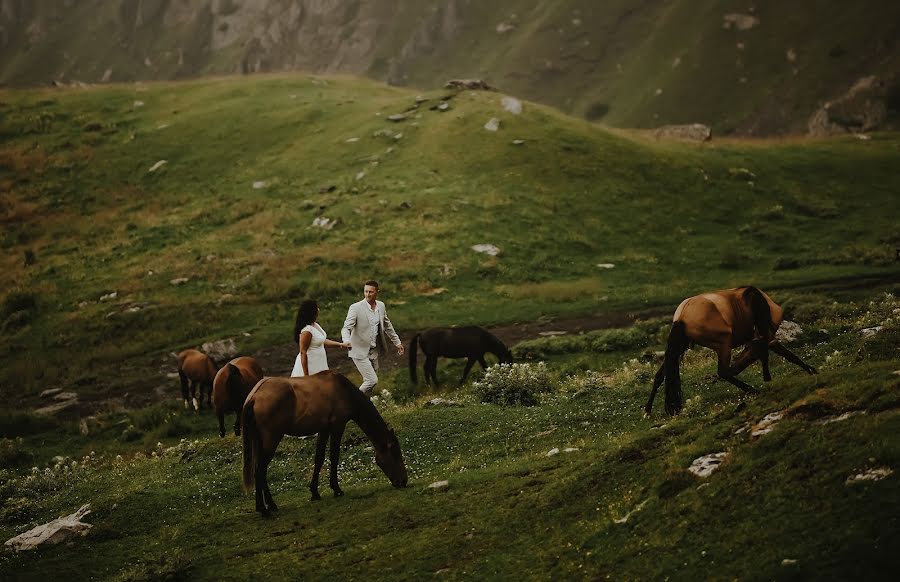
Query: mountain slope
(646, 64)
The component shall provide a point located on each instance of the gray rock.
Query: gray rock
(705, 466)
(220, 350)
(487, 249)
(50, 392)
(691, 132)
(439, 486)
(493, 124)
(472, 84)
(441, 402)
(863, 108)
(54, 532)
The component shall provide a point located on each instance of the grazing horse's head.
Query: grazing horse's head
(505, 356)
(390, 459)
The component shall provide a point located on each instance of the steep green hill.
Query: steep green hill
(113, 259)
(760, 70)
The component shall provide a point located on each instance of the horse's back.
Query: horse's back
(304, 405)
(196, 365)
(456, 342)
(707, 317)
(250, 369)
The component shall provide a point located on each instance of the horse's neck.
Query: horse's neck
(370, 421)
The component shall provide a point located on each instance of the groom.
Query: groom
(366, 326)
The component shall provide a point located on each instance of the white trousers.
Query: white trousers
(367, 367)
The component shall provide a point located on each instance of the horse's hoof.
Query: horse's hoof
(315, 497)
(222, 434)
(338, 493)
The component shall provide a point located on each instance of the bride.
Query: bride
(312, 340)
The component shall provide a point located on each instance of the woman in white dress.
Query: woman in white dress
(312, 340)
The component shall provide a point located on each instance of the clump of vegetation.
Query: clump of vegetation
(514, 384)
(18, 309)
(14, 423)
(638, 336)
(13, 452)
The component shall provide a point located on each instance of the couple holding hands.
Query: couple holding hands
(365, 332)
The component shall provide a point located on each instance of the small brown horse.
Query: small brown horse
(200, 369)
(722, 321)
(320, 404)
(230, 388)
(470, 342)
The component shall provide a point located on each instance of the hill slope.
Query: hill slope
(763, 71)
(114, 259)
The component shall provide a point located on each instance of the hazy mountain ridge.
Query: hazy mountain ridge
(760, 69)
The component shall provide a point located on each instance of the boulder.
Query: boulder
(691, 132)
(863, 108)
(221, 350)
(473, 84)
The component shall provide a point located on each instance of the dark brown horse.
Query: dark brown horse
(320, 404)
(470, 342)
(230, 388)
(200, 370)
(722, 321)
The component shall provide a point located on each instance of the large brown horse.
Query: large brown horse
(230, 388)
(200, 370)
(320, 404)
(722, 321)
(470, 342)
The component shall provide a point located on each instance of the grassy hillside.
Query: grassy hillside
(250, 163)
(616, 501)
(632, 65)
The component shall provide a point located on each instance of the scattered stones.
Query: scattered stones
(441, 402)
(397, 117)
(421, 99)
(55, 532)
(65, 396)
(788, 562)
(504, 27)
(57, 407)
(179, 281)
(551, 333)
(876, 474)
(493, 124)
(518, 141)
(360, 175)
(473, 84)
(841, 418)
(352, 140)
(605, 265)
(552, 452)
(109, 296)
(739, 21)
(323, 223)
(157, 166)
(788, 332)
(742, 174)
(50, 392)
(439, 486)
(511, 104)
(487, 249)
(259, 184)
(137, 104)
(627, 516)
(442, 106)
(766, 425)
(863, 108)
(705, 466)
(870, 331)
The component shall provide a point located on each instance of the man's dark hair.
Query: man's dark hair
(371, 283)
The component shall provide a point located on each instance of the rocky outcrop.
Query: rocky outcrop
(863, 108)
(691, 132)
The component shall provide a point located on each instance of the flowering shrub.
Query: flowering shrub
(514, 383)
(589, 381)
(383, 399)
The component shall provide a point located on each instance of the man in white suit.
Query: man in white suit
(366, 327)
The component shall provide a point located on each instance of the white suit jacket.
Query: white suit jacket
(357, 329)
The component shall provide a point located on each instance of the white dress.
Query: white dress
(316, 359)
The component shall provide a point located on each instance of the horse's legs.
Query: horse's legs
(321, 442)
(760, 349)
(194, 395)
(337, 434)
(264, 501)
(208, 394)
(469, 364)
(431, 370)
(791, 357)
(221, 415)
(237, 424)
(184, 388)
(729, 372)
(657, 382)
(481, 361)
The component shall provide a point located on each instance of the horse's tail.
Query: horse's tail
(676, 346)
(759, 308)
(235, 387)
(251, 442)
(413, 350)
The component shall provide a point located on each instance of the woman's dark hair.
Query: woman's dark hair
(306, 314)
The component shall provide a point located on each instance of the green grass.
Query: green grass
(177, 510)
(674, 219)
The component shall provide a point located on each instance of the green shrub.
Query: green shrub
(511, 384)
(13, 453)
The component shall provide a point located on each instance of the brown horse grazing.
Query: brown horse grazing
(722, 321)
(455, 342)
(200, 369)
(319, 404)
(230, 388)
